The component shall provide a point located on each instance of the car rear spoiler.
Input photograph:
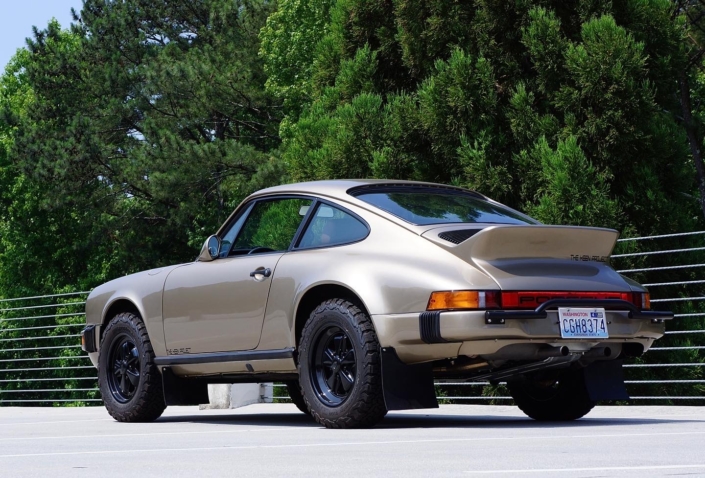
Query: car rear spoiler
(539, 242)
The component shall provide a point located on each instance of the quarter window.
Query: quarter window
(229, 236)
(331, 226)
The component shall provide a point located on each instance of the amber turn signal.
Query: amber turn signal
(463, 299)
(645, 301)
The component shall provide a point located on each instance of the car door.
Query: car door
(219, 306)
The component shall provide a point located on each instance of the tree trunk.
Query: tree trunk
(692, 135)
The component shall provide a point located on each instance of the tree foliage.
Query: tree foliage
(147, 124)
(563, 109)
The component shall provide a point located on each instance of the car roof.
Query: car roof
(338, 188)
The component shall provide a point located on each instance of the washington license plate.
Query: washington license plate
(582, 323)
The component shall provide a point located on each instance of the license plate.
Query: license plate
(582, 323)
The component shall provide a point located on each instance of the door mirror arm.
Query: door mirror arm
(210, 250)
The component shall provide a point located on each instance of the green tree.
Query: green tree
(563, 109)
(148, 123)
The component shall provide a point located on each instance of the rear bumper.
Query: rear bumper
(541, 312)
(468, 333)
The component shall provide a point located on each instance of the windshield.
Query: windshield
(427, 206)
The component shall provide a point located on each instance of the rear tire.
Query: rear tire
(340, 367)
(297, 398)
(562, 398)
(129, 381)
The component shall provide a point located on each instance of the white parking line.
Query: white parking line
(59, 421)
(599, 468)
(365, 443)
(204, 432)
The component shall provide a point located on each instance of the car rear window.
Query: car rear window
(429, 206)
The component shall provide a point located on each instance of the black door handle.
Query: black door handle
(261, 272)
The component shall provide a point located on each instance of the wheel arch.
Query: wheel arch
(119, 306)
(318, 294)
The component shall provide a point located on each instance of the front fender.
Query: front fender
(144, 291)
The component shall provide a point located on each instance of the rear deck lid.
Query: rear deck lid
(537, 257)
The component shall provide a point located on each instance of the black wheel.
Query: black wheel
(340, 367)
(553, 397)
(129, 381)
(297, 398)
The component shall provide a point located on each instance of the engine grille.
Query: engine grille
(456, 237)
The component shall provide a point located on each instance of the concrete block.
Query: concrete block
(227, 396)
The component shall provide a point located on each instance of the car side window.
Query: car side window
(331, 226)
(270, 226)
(229, 236)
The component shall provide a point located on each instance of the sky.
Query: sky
(18, 16)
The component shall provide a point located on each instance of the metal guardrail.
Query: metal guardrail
(41, 362)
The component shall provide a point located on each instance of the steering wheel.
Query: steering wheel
(260, 249)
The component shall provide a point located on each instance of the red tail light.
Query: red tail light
(532, 299)
(526, 300)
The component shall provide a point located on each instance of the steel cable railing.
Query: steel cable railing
(40, 355)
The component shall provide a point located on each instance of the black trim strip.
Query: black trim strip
(430, 327)
(218, 357)
(403, 187)
(499, 316)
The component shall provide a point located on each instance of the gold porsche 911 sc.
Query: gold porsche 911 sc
(358, 294)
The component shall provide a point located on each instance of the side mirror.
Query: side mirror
(210, 250)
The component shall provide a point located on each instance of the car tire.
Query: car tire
(340, 368)
(564, 398)
(129, 381)
(297, 398)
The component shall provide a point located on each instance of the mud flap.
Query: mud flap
(406, 387)
(182, 391)
(604, 380)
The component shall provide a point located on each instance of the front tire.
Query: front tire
(129, 381)
(340, 368)
(553, 398)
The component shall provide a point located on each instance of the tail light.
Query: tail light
(464, 299)
(526, 300)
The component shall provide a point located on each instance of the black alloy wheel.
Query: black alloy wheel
(340, 367)
(124, 375)
(333, 370)
(129, 381)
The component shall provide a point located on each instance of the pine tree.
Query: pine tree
(149, 122)
(563, 109)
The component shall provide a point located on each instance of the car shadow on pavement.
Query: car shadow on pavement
(401, 420)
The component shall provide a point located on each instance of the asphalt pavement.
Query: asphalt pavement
(272, 440)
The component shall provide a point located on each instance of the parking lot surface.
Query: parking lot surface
(277, 440)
